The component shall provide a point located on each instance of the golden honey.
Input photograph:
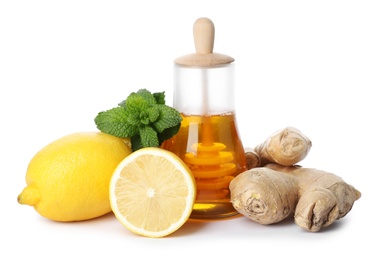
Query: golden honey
(211, 147)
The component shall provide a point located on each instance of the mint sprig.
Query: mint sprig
(143, 117)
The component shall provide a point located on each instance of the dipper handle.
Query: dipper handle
(203, 32)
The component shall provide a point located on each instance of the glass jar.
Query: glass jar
(208, 140)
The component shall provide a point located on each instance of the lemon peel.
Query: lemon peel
(68, 179)
(29, 196)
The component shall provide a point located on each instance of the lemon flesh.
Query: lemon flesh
(152, 192)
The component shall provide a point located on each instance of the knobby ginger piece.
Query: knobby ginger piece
(270, 194)
(264, 195)
(286, 147)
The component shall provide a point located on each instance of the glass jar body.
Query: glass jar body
(208, 140)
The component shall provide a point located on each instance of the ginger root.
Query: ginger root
(285, 147)
(263, 195)
(269, 194)
(274, 187)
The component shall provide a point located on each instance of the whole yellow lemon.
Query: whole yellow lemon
(68, 180)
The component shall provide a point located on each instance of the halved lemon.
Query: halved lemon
(152, 192)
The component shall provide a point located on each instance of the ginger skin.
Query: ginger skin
(286, 147)
(271, 193)
(264, 195)
(274, 187)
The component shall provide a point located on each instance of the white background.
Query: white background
(309, 64)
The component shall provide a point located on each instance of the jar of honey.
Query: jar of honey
(208, 140)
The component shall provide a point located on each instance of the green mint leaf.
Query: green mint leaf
(141, 95)
(168, 117)
(153, 114)
(136, 143)
(135, 103)
(115, 122)
(148, 137)
(122, 104)
(160, 98)
(168, 133)
(143, 117)
(139, 111)
(146, 95)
